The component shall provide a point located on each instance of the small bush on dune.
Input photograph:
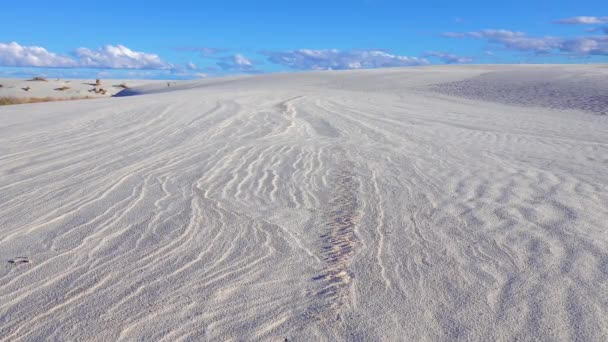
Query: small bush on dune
(38, 79)
(122, 85)
(62, 88)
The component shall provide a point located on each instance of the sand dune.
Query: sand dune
(552, 87)
(359, 205)
(65, 88)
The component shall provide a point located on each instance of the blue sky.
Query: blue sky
(190, 39)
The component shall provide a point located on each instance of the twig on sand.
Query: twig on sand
(19, 260)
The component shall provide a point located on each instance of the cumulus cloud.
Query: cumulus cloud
(448, 57)
(333, 59)
(13, 54)
(186, 70)
(106, 57)
(242, 60)
(237, 62)
(118, 57)
(583, 20)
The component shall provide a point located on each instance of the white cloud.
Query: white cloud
(598, 29)
(203, 50)
(13, 54)
(583, 20)
(511, 39)
(333, 59)
(448, 57)
(107, 57)
(118, 57)
(597, 45)
(538, 45)
(242, 60)
(237, 62)
(488, 33)
(592, 45)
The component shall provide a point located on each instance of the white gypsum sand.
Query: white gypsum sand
(358, 205)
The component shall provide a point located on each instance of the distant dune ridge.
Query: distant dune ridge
(40, 89)
(444, 203)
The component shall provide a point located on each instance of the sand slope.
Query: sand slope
(66, 88)
(360, 205)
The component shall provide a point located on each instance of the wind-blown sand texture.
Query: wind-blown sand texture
(376, 205)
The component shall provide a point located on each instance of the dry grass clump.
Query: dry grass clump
(62, 88)
(7, 100)
(38, 79)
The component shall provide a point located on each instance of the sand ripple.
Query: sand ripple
(317, 206)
